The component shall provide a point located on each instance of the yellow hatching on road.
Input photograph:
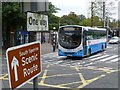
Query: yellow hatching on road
(43, 77)
(87, 82)
(82, 82)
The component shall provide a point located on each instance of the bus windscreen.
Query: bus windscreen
(70, 37)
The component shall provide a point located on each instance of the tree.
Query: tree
(71, 18)
(11, 15)
(103, 9)
(97, 21)
(86, 22)
(52, 9)
(52, 19)
(82, 17)
(11, 20)
(113, 24)
(53, 22)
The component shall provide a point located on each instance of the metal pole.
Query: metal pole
(35, 83)
(104, 13)
(108, 22)
(104, 23)
(92, 7)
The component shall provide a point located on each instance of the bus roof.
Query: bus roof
(95, 28)
(71, 25)
(86, 27)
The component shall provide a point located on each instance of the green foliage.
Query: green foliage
(72, 18)
(52, 9)
(53, 25)
(85, 22)
(82, 17)
(52, 19)
(114, 24)
(96, 21)
(12, 16)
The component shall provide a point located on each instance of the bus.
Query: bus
(80, 41)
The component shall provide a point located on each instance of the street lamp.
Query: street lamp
(54, 28)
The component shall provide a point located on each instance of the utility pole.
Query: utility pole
(108, 18)
(92, 11)
(104, 13)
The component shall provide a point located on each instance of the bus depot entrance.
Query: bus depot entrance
(22, 37)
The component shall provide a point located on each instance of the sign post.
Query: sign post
(35, 83)
(23, 64)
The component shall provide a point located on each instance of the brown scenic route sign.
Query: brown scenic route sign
(23, 63)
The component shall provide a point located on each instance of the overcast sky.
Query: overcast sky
(77, 6)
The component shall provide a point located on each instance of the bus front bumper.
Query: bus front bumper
(72, 54)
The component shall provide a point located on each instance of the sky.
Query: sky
(77, 6)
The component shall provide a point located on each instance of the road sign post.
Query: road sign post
(35, 83)
(23, 64)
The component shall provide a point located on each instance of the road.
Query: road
(100, 70)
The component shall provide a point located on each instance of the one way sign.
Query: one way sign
(23, 63)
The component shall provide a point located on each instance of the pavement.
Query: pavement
(45, 49)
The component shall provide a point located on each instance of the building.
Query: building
(116, 31)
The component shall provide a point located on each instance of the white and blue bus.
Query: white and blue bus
(80, 41)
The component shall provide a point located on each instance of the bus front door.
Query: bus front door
(85, 45)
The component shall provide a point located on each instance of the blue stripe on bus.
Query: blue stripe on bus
(97, 47)
(61, 53)
(94, 48)
(74, 54)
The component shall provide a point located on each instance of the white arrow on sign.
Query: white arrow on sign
(14, 65)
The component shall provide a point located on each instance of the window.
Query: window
(95, 34)
(70, 37)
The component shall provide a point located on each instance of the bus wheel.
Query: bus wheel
(103, 48)
(89, 52)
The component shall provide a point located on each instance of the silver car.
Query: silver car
(114, 39)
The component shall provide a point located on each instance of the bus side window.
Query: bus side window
(90, 37)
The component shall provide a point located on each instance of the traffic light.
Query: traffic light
(54, 41)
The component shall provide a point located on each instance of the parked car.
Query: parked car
(114, 39)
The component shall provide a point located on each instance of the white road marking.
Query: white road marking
(95, 56)
(102, 60)
(114, 60)
(99, 57)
